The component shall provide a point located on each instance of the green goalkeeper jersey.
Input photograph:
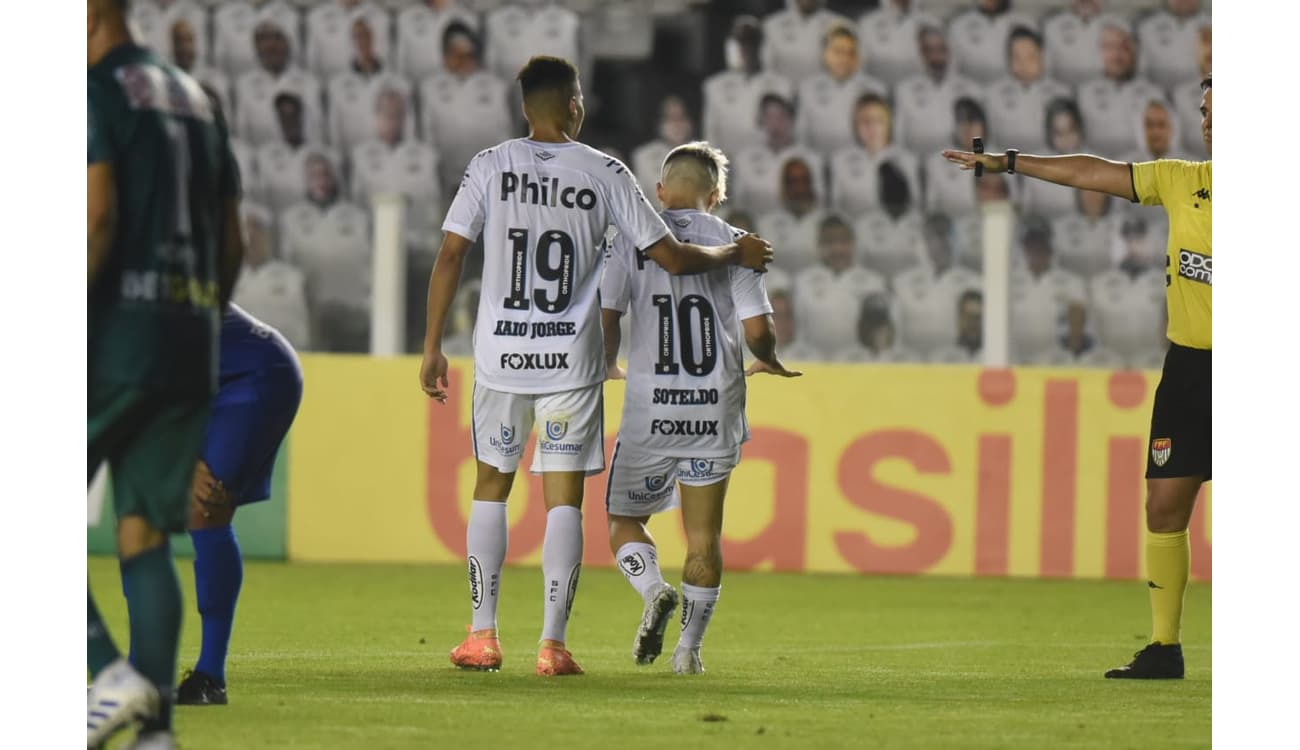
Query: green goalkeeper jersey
(153, 309)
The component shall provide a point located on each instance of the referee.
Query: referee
(1179, 458)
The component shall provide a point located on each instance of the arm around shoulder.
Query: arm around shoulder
(679, 258)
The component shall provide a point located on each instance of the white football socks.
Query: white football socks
(561, 564)
(485, 546)
(640, 565)
(697, 609)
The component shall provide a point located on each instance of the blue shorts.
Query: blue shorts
(251, 414)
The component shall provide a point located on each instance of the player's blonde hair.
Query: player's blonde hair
(699, 165)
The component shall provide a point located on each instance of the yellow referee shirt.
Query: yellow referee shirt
(1183, 188)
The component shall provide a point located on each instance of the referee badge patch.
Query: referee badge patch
(1160, 450)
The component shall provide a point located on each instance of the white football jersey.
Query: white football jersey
(544, 209)
(685, 375)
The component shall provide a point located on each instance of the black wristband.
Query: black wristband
(1011, 160)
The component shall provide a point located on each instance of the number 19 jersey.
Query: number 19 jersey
(685, 376)
(544, 210)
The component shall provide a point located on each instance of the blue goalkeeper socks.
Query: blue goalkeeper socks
(218, 575)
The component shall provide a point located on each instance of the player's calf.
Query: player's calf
(638, 559)
(702, 573)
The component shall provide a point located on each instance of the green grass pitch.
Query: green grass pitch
(353, 656)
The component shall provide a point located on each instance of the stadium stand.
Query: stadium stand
(356, 106)
(329, 112)
(517, 32)
(337, 34)
(792, 38)
(276, 289)
(887, 36)
(419, 37)
(235, 48)
(462, 115)
(979, 39)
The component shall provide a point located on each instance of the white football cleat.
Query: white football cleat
(658, 612)
(153, 741)
(118, 696)
(687, 661)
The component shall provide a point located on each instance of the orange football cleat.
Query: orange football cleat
(556, 662)
(479, 651)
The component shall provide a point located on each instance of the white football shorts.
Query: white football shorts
(570, 434)
(642, 483)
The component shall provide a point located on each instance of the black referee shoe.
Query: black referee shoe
(201, 689)
(1155, 662)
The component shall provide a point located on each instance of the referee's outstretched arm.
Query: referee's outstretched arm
(1075, 170)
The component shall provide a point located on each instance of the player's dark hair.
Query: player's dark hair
(1023, 32)
(837, 29)
(460, 28)
(1061, 105)
(1205, 82)
(544, 74)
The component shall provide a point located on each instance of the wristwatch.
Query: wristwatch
(1011, 160)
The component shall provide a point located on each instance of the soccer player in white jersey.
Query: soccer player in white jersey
(543, 204)
(684, 412)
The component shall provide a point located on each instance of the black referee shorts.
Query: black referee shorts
(1180, 419)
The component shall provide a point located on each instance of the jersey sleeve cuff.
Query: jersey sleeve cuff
(753, 312)
(1133, 184)
(647, 245)
(461, 229)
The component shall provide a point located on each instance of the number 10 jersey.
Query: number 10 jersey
(544, 210)
(685, 375)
